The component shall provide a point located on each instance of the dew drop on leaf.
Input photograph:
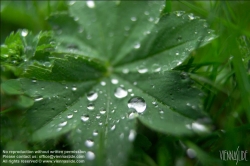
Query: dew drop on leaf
(39, 99)
(132, 115)
(90, 155)
(102, 111)
(89, 143)
(113, 127)
(24, 32)
(85, 118)
(137, 46)
(132, 135)
(69, 116)
(137, 103)
(120, 92)
(90, 106)
(125, 71)
(59, 129)
(92, 96)
(156, 68)
(74, 88)
(142, 70)
(114, 81)
(63, 124)
(103, 83)
(133, 18)
(90, 3)
(95, 133)
(191, 153)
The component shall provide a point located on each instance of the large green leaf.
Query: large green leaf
(113, 65)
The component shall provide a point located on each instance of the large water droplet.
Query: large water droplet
(85, 118)
(63, 124)
(137, 103)
(92, 96)
(89, 143)
(120, 92)
(90, 155)
(90, 3)
(90, 106)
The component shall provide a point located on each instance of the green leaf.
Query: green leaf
(113, 65)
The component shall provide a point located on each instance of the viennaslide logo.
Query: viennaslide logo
(233, 155)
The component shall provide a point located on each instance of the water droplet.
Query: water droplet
(91, 106)
(191, 16)
(177, 53)
(137, 46)
(151, 19)
(85, 118)
(113, 127)
(76, 18)
(133, 18)
(74, 88)
(103, 83)
(59, 129)
(142, 70)
(125, 71)
(191, 153)
(156, 68)
(120, 92)
(24, 32)
(90, 155)
(102, 111)
(70, 116)
(121, 135)
(133, 115)
(90, 3)
(137, 103)
(89, 143)
(92, 96)
(114, 81)
(146, 13)
(98, 116)
(95, 133)
(63, 124)
(179, 13)
(132, 135)
(34, 81)
(39, 99)
(72, 2)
